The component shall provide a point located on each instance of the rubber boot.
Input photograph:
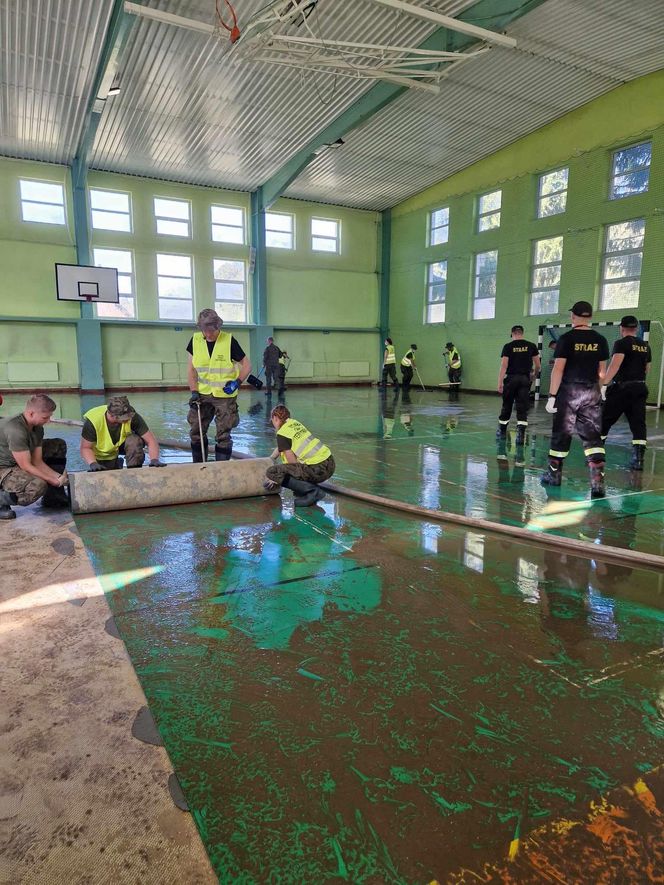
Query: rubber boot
(222, 454)
(197, 453)
(597, 489)
(6, 511)
(306, 493)
(520, 434)
(501, 432)
(638, 454)
(554, 472)
(54, 496)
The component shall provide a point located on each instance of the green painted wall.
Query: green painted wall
(306, 289)
(583, 140)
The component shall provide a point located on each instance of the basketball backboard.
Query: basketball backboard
(78, 282)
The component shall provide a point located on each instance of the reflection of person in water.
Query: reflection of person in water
(388, 405)
(513, 506)
(406, 417)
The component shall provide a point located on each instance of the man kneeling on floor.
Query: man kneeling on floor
(305, 460)
(31, 467)
(113, 431)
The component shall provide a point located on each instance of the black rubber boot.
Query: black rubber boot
(520, 434)
(197, 453)
(501, 432)
(638, 454)
(6, 511)
(222, 454)
(55, 498)
(597, 489)
(305, 493)
(554, 472)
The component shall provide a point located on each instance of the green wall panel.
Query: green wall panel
(32, 351)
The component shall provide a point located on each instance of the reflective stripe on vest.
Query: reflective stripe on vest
(406, 361)
(216, 369)
(305, 446)
(455, 359)
(104, 448)
(391, 357)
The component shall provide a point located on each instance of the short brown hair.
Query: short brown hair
(281, 413)
(41, 403)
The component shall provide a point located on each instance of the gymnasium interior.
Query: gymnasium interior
(443, 671)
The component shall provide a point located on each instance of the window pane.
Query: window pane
(489, 222)
(546, 277)
(276, 221)
(109, 200)
(437, 292)
(223, 234)
(436, 313)
(620, 295)
(174, 287)
(549, 250)
(171, 208)
(440, 217)
(552, 205)
(174, 310)
(42, 192)
(119, 258)
(632, 183)
(486, 286)
(486, 262)
(229, 291)
(110, 221)
(484, 308)
(553, 181)
(275, 240)
(43, 213)
(632, 158)
(174, 265)
(439, 235)
(618, 266)
(322, 228)
(124, 284)
(125, 310)
(544, 301)
(225, 215)
(231, 312)
(323, 245)
(228, 270)
(173, 228)
(627, 235)
(490, 202)
(437, 271)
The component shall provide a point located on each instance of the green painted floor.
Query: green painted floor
(348, 694)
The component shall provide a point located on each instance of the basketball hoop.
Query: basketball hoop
(232, 29)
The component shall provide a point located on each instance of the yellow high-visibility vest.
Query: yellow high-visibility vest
(216, 370)
(408, 359)
(305, 447)
(455, 358)
(390, 359)
(105, 449)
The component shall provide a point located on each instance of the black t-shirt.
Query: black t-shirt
(584, 350)
(138, 426)
(284, 443)
(520, 355)
(637, 356)
(237, 354)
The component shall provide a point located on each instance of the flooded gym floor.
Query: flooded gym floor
(350, 694)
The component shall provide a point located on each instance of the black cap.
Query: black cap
(629, 321)
(582, 309)
(449, 344)
(413, 346)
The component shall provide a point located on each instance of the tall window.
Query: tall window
(42, 201)
(545, 279)
(439, 226)
(123, 261)
(324, 235)
(488, 210)
(111, 210)
(173, 217)
(230, 284)
(436, 288)
(630, 173)
(279, 230)
(552, 192)
(484, 302)
(621, 267)
(227, 224)
(174, 287)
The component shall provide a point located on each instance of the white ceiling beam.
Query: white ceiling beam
(454, 24)
(168, 18)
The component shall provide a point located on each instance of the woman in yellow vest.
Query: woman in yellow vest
(113, 430)
(389, 364)
(305, 460)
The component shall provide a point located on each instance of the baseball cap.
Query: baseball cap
(629, 321)
(582, 309)
(120, 408)
(449, 344)
(209, 319)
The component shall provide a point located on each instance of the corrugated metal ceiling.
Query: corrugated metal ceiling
(189, 111)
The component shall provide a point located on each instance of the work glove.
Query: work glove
(270, 486)
(94, 467)
(551, 405)
(194, 398)
(602, 392)
(155, 462)
(231, 386)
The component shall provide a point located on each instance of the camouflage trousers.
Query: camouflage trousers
(133, 450)
(314, 473)
(225, 413)
(27, 488)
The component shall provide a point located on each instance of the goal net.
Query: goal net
(653, 333)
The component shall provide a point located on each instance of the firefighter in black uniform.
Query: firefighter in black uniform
(519, 361)
(574, 398)
(626, 392)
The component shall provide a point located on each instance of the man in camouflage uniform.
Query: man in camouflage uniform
(31, 467)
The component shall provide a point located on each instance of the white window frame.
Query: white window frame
(432, 284)
(607, 281)
(173, 276)
(242, 228)
(107, 310)
(220, 281)
(336, 239)
(444, 227)
(476, 286)
(172, 219)
(26, 201)
(483, 214)
(290, 233)
(536, 290)
(101, 213)
(615, 175)
(542, 197)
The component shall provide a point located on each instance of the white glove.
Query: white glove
(602, 392)
(551, 405)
